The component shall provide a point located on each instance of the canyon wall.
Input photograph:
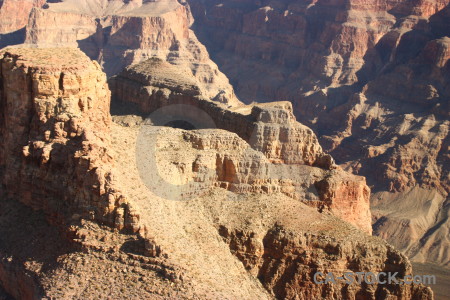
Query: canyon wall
(158, 89)
(120, 33)
(55, 133)
(57, 152)
(370, 78)
(277, 239)
(14, 14)
(284, 261)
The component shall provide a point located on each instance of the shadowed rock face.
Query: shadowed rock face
(57, 158)
(371, 78)
(120, 33)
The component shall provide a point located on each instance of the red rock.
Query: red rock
(56, 134)
(14, 13)
(371, 77)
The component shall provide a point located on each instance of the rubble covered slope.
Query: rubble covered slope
(86, 178)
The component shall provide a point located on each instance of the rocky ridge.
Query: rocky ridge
(271, 129)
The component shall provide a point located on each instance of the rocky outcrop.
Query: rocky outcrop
(370, 78)
(278, 240)
(285, 262)
(268, 128)
(274, 160)
(120, 33)
(37, 261)
(55, 132)
(216, 158)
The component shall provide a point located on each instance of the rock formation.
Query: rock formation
(370, 78)
(13, 19)
(55, 133)
(62, 156)
(251, 219)
(270, 129)
(120, 33)
(14, 14)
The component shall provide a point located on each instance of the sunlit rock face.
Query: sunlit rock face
(55, 130)
(14, 14)
(120, 33)
(371, 78)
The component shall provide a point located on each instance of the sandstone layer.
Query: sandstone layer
(62, 157)
(371, 78)
(120, 33)
(270, 129)
(14, 14)
(55, 136)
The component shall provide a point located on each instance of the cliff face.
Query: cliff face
(288, 147)
(276, 238)
(13, 19)
(315, 44)
(55, 132)
(14, 14)
(120, 33)
(284, 260)
(370, 78)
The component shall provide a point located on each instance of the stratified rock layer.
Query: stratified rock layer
(371, 78)
(55, 132)
(270, 129)
(120, 33)
(14, 14)
(57, 158)
(277, 238)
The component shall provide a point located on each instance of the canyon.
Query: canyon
(371, 79)
(250, 142)
(99, 212)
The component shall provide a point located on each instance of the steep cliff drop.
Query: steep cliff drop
(14, 17)
(60, 158)
(119, 33)
(371, 78)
